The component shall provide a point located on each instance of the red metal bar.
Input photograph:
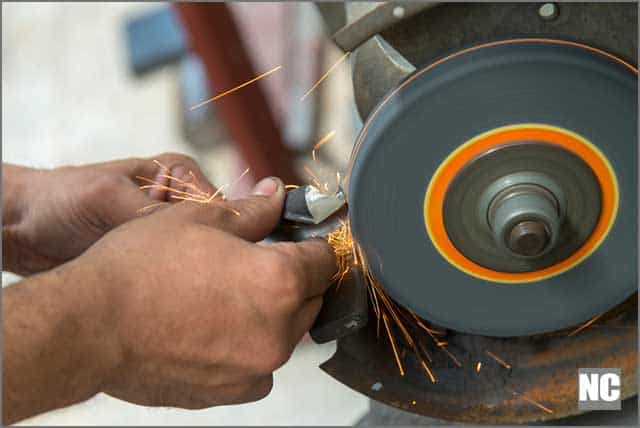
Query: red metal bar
(246, 114)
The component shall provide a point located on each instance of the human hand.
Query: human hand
(193, 312)
(59, 213)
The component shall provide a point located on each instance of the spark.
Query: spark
(192, 186)
(164, 187)
(428, 371)
(325, 75)
(439, 344)
(427, 329)
(424, 327)
(535, 403)
(342, 243)
(200, 201)
(585, 325)
(324, 140)
(149, 207)
(235, 88)
(196, 193)
(162, 167)
(393, 344)
(350, 256)
(313, 177)
(453, 357)
(478, 366)
(499, 360)
(425, 352)
(208, 198)
(237, 180)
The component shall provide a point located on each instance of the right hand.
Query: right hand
(192, 312)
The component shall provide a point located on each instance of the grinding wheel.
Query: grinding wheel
(494, 191)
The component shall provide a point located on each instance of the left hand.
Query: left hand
(59, 213)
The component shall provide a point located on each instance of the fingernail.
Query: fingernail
(266, 187)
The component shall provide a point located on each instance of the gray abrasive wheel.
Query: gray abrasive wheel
(549, 246)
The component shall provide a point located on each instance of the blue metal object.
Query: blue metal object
(154, 39)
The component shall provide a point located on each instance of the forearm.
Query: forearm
(55, 349)
(14, 206)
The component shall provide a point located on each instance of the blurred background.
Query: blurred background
(92, 82)
(85, 83)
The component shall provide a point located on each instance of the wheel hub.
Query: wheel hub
(522, 207)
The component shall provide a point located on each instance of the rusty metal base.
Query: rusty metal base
(544, 368)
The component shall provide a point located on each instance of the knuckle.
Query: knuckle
(197, 403)
(285, 279)
(262, 389)
(274, 357)
(102, 183)
(248, 391)
(106, 181)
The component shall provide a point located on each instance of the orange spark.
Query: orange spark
(585, 325)
(499, 360)
(235, 88)
(234, 182)
(453, 357)
(478, 366)
(439, 344)
(341, 241)
(186, 184)
(195, 195)
(350, 255)
(148, 207)
(324, 140)
(313, 177)
(428, 371)
(393, 344)
(163, 187)
(535, 403)
(325, 75)
(425, 352)
(162, 167)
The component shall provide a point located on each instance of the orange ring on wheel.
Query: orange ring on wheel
(447, 171)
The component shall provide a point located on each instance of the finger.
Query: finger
(304, 319)
(253, 390)
(174, 393)
(251, 218)
(179, 174)
(315, 260)
(128, 204)
(196, 396)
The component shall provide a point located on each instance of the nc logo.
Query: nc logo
(599, 389)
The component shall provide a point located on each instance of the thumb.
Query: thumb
(251, 218)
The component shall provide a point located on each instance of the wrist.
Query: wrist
(56, 350)
(90, 306)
